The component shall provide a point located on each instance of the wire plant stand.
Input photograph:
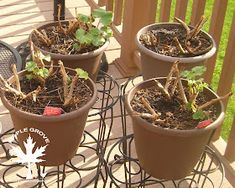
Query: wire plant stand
(87, 166)
(125, 170)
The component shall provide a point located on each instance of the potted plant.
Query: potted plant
(173, 119)
(78, 42)
(49, 105)
(161, 44)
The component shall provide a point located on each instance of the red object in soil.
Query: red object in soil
(204, 123)
(52, 111)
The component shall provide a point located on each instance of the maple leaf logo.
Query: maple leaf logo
(29, 157)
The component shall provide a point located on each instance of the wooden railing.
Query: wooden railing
(131, 15)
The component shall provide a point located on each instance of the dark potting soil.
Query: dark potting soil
(161, 41)
(61, 43)
(52, 95)
(173, 115)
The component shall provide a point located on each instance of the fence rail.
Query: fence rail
(134, 14)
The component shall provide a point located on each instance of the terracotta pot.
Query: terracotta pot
(157, 65)
(64, 132)
(167, 153)
(87, 61)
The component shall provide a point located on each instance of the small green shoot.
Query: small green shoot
(195, 85)
(81, 73)
(199, 115)
(92, 35)
(33, 68)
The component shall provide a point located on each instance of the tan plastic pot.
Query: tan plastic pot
(157, 65)
(89, 62)
(64, 132)
(167, 153)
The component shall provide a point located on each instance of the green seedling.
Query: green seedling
(81, 73)
(91, 34)
(195, 86)
(33, 69)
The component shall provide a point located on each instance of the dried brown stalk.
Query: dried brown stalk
(213, 101)
(69, 97)
(170, 75)
(17, 80)
(5, 86)
(32, 50)
(181, 88)
(51, 69)
(59, 22)
(178, 45)
(42, 37)
(149, 108)
(162, 90)
(65, 78)
(33, 94)
(73, 25)
(184, 25)
(198, 27)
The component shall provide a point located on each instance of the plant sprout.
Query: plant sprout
(94, 35)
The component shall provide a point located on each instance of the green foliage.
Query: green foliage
(194, 73)
(92, 35)
(199, 115)
(33, 69)
(81, 73)
(195, 86)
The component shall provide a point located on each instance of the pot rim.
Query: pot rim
(173, 132)
(195, 59)
(42, 118)
(72, 56)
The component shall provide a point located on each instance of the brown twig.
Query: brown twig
(33, 94)
(149, 108)
(178, 45)
(42, 37)
(69, 97)
(32, 50)
(5, 86)
(213, 101)
(184, 25)
(181, 88)
(17, 80)
(65, 78)
(198, 27)
(162, 90)
(51, 69)
(73, 25)
(59, 22)
(170, 75)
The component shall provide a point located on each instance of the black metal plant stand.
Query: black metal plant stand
(81, 166)
(125, 171)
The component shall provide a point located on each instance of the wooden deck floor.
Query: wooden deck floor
(17, 19)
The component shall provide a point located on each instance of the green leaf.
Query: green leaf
(84, 18)
(194, 73)
(43, 72)
(107, 32)
(105, 16)
(98, 13)
(81, 73)
(199, 115)
(31, 66)
(29, 76)
(83, 37)
(76, 46)
(98, 41)
(94, 31)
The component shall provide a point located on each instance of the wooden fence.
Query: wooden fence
(131, 15)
